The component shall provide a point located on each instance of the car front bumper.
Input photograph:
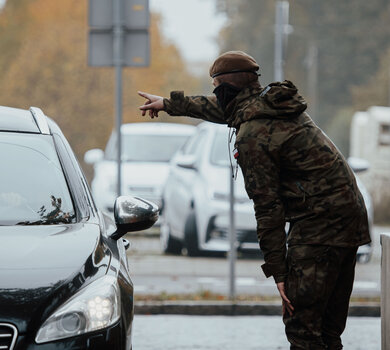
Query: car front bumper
(112, 338)
(218, 227)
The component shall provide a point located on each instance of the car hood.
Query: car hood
(41, 266)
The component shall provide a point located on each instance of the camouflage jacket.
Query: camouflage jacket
(292, 171)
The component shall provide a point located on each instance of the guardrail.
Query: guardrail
(385, 290)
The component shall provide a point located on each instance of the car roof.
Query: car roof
(213, 126)
(158, 128)
(22, 120)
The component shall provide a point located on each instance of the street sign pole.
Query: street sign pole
(232, 235)
(118, 61)
(281, 32)
(118, 37)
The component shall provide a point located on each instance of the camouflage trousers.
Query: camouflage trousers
(319, 286)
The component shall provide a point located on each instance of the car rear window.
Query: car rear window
(33, 189)
(149, 148)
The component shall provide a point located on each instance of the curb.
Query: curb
(236, 309)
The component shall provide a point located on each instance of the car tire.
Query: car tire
(363, 258)
(169, 245)
(191, 241)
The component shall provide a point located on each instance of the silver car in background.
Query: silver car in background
(147, 149)
(196, 197)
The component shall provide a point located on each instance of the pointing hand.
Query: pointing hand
(153, 104)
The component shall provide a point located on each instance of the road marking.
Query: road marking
(366, 285)
(246, 281)
(207, 280)
(240, 281)
(138, 288)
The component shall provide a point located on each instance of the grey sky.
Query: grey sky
(192, 25)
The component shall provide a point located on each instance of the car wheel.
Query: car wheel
(191, 236)
(169, 245)
(363, 258)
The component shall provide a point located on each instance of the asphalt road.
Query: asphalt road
(170, 332)
(154, 273)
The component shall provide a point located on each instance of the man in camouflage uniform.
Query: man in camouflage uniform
(293, 173)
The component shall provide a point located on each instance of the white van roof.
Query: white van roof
(157, 128)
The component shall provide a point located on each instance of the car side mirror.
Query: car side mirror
(133, 214)
(358, 165)
(93, 156)
(186, 161)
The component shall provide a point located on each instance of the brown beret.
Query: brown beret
(233, 62)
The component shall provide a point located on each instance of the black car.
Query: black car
(64, 276)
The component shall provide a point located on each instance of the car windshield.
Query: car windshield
(219, 150)
(151, 148)
(33, 189)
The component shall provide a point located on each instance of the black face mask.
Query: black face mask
(225, 93)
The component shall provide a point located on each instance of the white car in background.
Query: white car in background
(360, 165)
(196, 198)
(147, 149)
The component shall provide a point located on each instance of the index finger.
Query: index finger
(144, 94)
(284, 296)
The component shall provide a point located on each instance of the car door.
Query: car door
(179, 189)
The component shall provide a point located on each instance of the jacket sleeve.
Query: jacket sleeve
(200, 107)
(260, 167)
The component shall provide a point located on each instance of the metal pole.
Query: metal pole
(232, 235)
(281, 31)
(388, 102)
(385, 287)
(118, 50)
(312, 79)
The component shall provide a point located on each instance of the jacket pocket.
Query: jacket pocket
(306, 282)
(297, 201)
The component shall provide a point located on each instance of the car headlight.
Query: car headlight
(95, 307)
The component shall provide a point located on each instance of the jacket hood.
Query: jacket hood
(277, 100)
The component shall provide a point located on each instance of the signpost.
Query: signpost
(118, 37)
(233, 245)
(282, 29)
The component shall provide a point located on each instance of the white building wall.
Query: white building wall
(370, 140)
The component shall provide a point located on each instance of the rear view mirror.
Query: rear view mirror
(186, 161)
(133, 214)
(93, 156)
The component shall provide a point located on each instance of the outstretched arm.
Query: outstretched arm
(200, 107)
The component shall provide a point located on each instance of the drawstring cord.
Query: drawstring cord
(232, 132)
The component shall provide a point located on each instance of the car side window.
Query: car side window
(81, 175)
(194, 143)
(76, 184)
(110, 151)
(187, 145)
